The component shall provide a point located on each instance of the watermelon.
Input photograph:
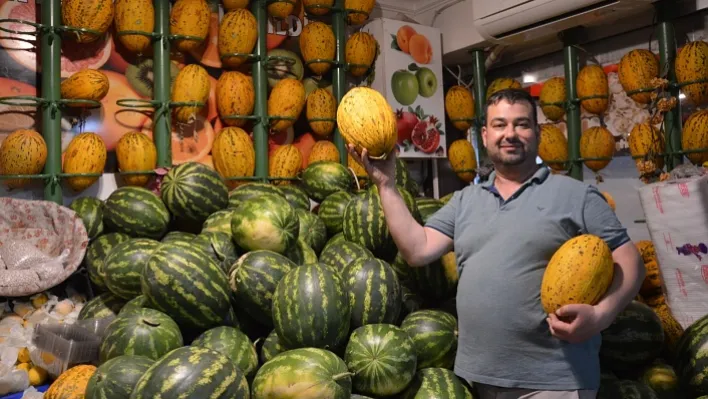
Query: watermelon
(124, 266)
(219, 221)
(446, 198)
(312, 230)
(219, 246)
(265, 222)
(187, 285)
(90, 210)
(401, 267)
(116, 378)
(104, 305)
(311, 308)
(340, 254)
(437, 383)
(301, 253)
(141, 332)
(427, 207)
(434, 334)
(137, 212)
(374, 292)
(355, 396)
(410, 302)
(296, 196)
(303, 374)
(173, 236)
(322, 178)
(334, 239)
(138, 302)
(253, 279)
(403, 178)
(252, 190)
(96, 254)
(232, 343)
(662, 379)
(332, 211)
(272, 346)
(438, 280)
(193, 372)
(625, 389)
(691, 365)
(192, 191)
(633, 340)
(382, 358)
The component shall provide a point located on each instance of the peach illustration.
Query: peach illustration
(403, 37)
(420, 49)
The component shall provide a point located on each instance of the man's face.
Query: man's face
(510, 136)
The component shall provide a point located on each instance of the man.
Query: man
(504, 232)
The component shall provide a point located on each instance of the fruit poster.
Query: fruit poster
(409, 73)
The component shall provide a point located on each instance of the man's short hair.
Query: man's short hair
(512, 96)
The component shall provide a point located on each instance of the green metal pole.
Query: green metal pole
(672, 125)
(260, 82)
(570, 61)
(480, 95)
(51, 80)
(338, 75)
(161, 69)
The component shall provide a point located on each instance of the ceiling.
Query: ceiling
(409, 7)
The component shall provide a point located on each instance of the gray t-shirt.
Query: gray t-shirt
(502, 249)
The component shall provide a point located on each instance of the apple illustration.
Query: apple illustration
(427, 82)
(405, 87)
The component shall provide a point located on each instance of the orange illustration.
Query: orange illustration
(403, 37)
(195, 143)
(420, 49)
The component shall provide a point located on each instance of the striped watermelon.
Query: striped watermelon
(232, 343)
(90, 210)
(403, 178)
(625, 389)
(193, 372)
(374, 292)
(340, 254)
(402, 268)
(301, 253)
(272, 346)
(265, 222)
(333, 240)
(427, 207)
(436, 383)
(296, 196)
(332, 211)
(691, 365)
(364, 223)
(192, 191)
(173, 236)
(124, 266)
(662, 379)
(137, 212)
(446, 198)
(411, 302)
(138, 302)
(219, 246)
(253, 279)
(633, 340)
(312, 230)
(323, 178)
(252, 190)
(382, 358)
(438, 280)
(305, 373)
(311, 308)
(96, 254)
(116, 378)
(434, 334)
(187, 285)
(104, 305)
(141, 332)
(219, 222)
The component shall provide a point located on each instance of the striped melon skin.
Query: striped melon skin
(296, 196)
(553, 147)
(90, 210)
(332, 211)
(235, 95)
(137, 212)
(96, 254)
(253, 279)
(690, 363)
(272, 346)
(238, 31)
(303, 374)
(138, 302)
(323, 150)
(301, 253)
(321, 179)
(459, 104)
(232, 343)
(218, 222)
(411, 302)
(22, 152)
(285, 163)
(597, 142)
(382, 358)
(233, 154)
(438, 280)
(361, 50)
(116, 378)
(463, 160)
(124, 266)
(434, 334)
(187, 285)
(311, 308)
(695, 136)
(321, 104)
(661, 378)
(193, 372)
(251, 190)
(364, 222)
(446, 198)
(86, 84)
(104, 305)
(141, 332)
(553, 91)
(88, 14)
(286, 100)
(436, 383)
(136, 15)
(339, 255)
(427, 207)
(692, 64)
(633, 340)
(501, 84)
(173, 236)
(189, 18)
(402, 269)
(592, 81)
(312, 230)
(317, 41)
(635, 71)
(86, 153)
(646, 141)
(193, 191)
(374, 292)
(333, 240)
(265, 222)
(219, 246)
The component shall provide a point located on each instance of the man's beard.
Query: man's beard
(509, 159)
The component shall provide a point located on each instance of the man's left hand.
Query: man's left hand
(576, 323)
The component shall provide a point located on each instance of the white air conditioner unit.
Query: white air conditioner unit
(511, 22)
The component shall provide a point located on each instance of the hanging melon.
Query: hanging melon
(597, 142)
(636, 70)
(552, 99)
(646, 141)
(553, 147)
(592, 82)
(459, 106)
(501, 84)
(692, 65)
(695, 136)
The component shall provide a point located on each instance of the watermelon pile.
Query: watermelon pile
(256, 293)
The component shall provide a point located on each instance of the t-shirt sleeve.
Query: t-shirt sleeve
(444, 219)
(601, 220)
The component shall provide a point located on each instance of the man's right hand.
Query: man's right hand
(381, 172)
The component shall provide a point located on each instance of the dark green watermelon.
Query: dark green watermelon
(219, 246)
(340, 254)
(137, 212)
(374, 292)
(272, 346)
(410, 302)
(301, 253)
(691, 363)
(437, 281)
(104, 305)
(178, 236)
(436, 383)
(116, 378)
(296, 196)
(138, 302)
(334, 239)
(90, 210)
(252, 190)
(312, 230)
(219, 221)
(323, 178)
(124, 266)
(332, 209)
(434, 334)
(265, 222)
(234, 344)
(192, 191)
(427, 207)
(625, 389)
(96, 254)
